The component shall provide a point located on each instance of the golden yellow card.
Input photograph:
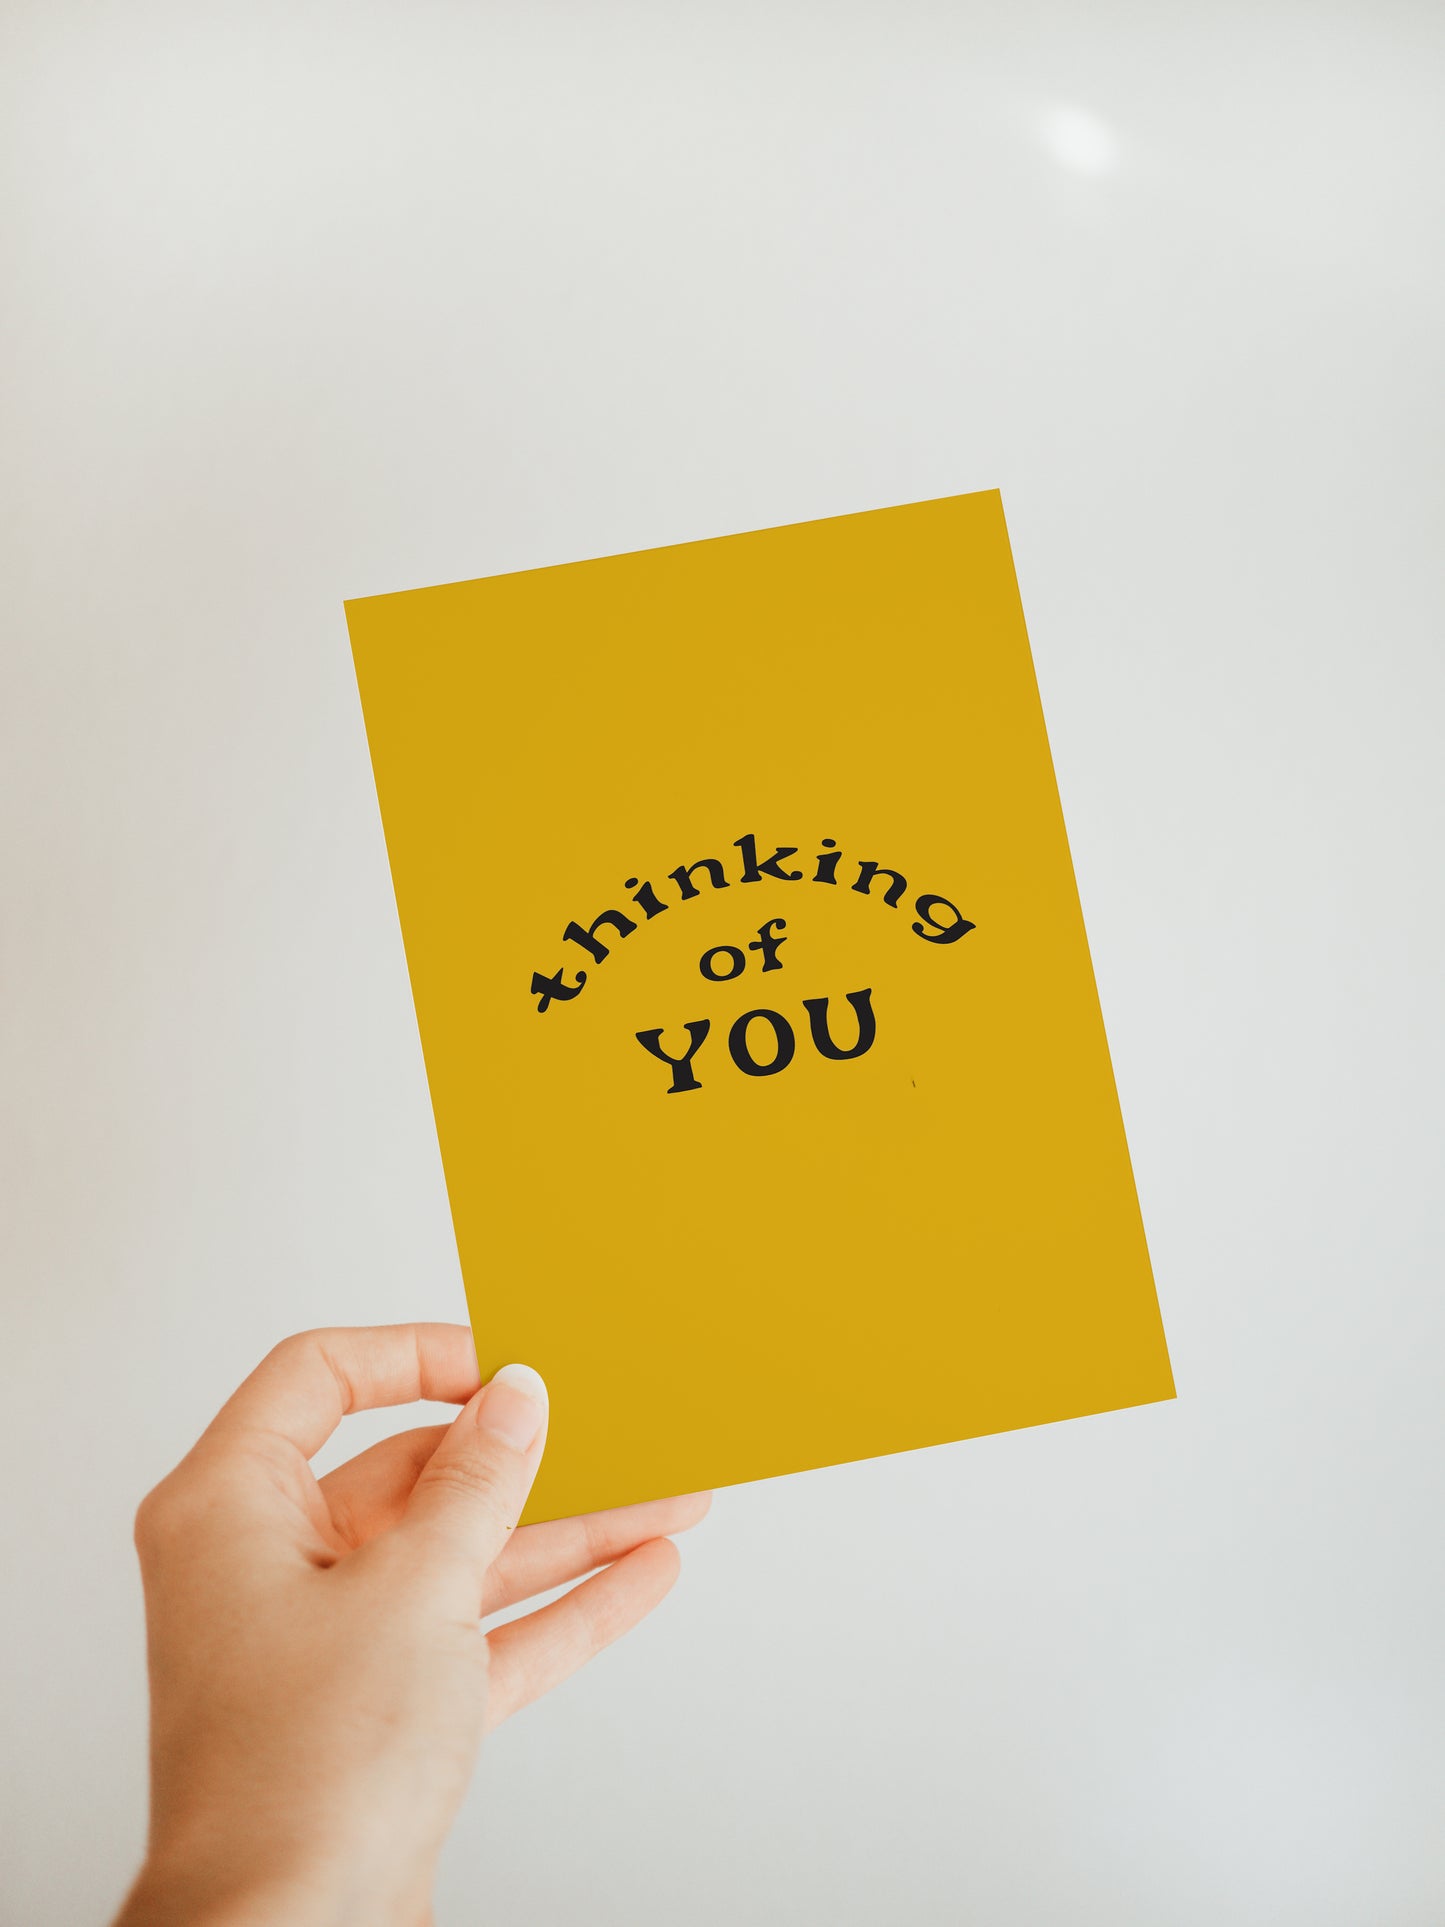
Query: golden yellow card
(772, 1089)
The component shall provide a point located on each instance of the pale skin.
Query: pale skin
(320, 1679)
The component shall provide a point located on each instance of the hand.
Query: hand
(319, 1679)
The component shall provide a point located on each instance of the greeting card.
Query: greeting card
(768, 1069)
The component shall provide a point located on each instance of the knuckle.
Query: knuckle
(184, 1505)
(146, 1522)
(159, 1515)
(297, 1344)
(326, 1345)
(597, 1545)
(481, 1485)
(602, 1620)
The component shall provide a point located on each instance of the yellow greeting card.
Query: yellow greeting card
(772, 1090)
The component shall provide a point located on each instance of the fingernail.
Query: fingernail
(514, 1406)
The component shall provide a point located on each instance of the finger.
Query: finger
(466, 1502)
(368, 1494)
(540, 1557)
(302, 1390)
(530, 1656)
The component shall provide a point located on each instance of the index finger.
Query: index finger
(303, 1389)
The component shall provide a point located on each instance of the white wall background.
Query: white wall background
(314, 301)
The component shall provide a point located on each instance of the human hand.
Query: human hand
(319, 1680)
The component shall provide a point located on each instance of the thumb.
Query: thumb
(471, 1492)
